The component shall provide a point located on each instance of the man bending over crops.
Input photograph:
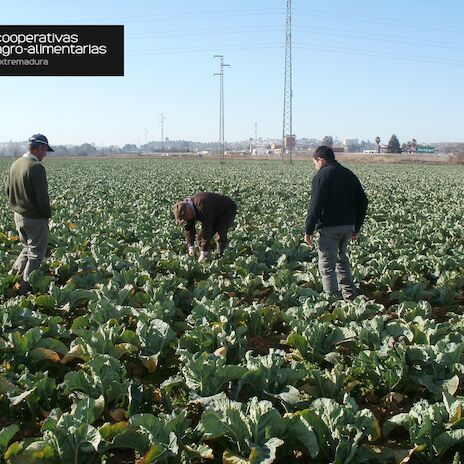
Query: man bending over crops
(215, 212)
(337, 209)
(27, 191)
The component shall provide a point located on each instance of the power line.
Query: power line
(299, 46)
(323, 32)
(351, 17)
(304, 30)
(196, 15)
(188, 16)
(375, 54)
(377, 37)
(201, 49)
(195, 31)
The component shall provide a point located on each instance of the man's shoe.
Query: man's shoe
(24, 288)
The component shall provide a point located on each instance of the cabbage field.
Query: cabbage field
(129, 351)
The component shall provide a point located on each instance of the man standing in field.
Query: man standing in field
(27, 191)
(215, 212)
(337, 209)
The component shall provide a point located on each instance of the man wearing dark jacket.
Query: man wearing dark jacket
(27, 191)
(337, 209)
(215, 212)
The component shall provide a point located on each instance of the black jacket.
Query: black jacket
(337, 199)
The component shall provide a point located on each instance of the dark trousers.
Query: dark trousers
(221, 226)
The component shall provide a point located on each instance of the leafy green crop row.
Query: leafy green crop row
(129, 351)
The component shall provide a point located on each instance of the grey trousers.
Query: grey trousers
(334, 266)
(33, 234)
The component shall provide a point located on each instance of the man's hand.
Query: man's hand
(354, 237)
(191, 251)
(309, 239)
(203, 256)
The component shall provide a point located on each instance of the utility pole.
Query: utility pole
(221, 105)
(256, 133)
(162, 119)
(288, 139)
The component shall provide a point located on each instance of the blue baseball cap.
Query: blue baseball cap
(39, 138)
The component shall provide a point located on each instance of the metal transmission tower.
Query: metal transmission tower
(288, 139)
(162, 119)
(221, 105)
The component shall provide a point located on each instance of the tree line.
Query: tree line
(393, 145)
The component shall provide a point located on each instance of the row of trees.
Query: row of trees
(16, 149)
(85, 149)
(393, 145)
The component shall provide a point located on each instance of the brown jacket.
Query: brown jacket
(209, 208)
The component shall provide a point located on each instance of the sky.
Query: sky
(360, 69)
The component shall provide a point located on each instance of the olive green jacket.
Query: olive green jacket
(27, 188)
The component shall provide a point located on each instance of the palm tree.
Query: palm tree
(377, 141)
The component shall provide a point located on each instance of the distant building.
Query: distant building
(276, 146)
(348, 142)
(259, 150)
(351, 145)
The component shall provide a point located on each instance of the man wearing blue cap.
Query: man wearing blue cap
(27, 191)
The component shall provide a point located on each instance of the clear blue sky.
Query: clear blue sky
(361, 68)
